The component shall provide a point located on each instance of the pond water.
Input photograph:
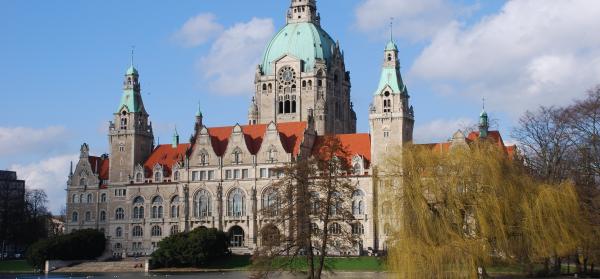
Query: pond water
(206, 275)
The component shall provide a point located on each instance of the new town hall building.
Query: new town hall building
(141, 193)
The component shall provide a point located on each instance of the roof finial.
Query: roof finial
(391, 28)
(483, 102)
(199, 112)
(132, 53)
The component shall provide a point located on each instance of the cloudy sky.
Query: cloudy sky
(61, 65)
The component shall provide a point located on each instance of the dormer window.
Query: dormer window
(204, 158)
(157, 177)
(176, 176)
(272, 155)
(139, 178)
(236, 157)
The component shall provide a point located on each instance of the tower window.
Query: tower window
(389, 58)
(123, 123)
(387, 104)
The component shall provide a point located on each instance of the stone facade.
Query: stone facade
(223, 178)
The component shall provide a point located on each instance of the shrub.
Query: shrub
(194, 249)
(79, 245)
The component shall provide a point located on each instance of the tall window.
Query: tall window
(314, 203)
(88, 216)
(358, 229)
(358, 203)
(124, 123)
(335, 229)
(138, 231)
(74, 216)
(157, 207)
(138, 208)
(156, 231)
(176, 176)
(119, 232)
(102, 216)
(204, 158)
(174, 230)
(119, 214)
(139, 178)
(175, 207)
(270, 202)
(82, 181)
(203, 204)
(157, 177)
(236, 203)
(74, 198)
(103, 198)
(336, 204)
(236, 157)
(89, 198)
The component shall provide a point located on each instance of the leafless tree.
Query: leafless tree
(544, 141)
(311, 204)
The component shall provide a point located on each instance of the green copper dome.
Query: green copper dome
(304, 40)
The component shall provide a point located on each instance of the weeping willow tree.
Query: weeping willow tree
(460, 211)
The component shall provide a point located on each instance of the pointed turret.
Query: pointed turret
(484, 124)
(175, 138)
(253, 112)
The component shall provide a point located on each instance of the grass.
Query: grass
(15, 266)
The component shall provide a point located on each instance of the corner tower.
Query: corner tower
(391, 117)
(130, 135)
(303, 70)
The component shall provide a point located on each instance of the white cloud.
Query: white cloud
(415, 20)
(231, 63)
(440, 130)
(530, 53)
(198, 30)
(49, 175)
(23, 140)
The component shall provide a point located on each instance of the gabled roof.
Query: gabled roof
(291, 135)
(99, 166)
(166, 156)
(494, 136)
(355, 144)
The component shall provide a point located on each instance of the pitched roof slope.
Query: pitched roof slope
(166, 156)
(99, 166)
(355, 144)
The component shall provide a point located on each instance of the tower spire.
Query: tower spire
(132, 53)
(391, 29)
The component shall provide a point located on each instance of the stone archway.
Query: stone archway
(236, 236)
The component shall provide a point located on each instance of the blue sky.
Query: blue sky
(62, 64)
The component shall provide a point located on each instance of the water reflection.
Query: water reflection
(206, 275)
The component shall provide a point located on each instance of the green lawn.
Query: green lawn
(15, 266)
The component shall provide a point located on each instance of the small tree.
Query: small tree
(460, 211)
(196, 248)
(311, 206)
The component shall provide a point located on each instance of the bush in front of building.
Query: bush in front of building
(194, 249)
(79, 245)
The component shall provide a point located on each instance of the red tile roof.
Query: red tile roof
(495, 136)
(291, 134)
(166, 156)
(355, 144)
(99, 166)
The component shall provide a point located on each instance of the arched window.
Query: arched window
(88, 216)
(82, 181)
(89, 198)
(74, 199)
(119, 232)
(303, 83)
(138, 208)
(123, 123)
(119, 214)
(335, 229)
(358, 229)
(336, 204)
(157, 208)
(203, 204)
(236, 203)
(236, 156)
(139, 178)
(358, 203)
(157, 177)
(81, 198)
(204, 158)
(314, 203)
(74, 216)
(287, 106)
(102, 216)
(176, 176)
(270, 87)
(309, 84)
(270, 203)
(389, 57)
(270, 236)
(280, 110)
(174, 230)
(156, 231)
(103, 198)
(175, 207)
(264, 87)
(293, 106)
(138, 231)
